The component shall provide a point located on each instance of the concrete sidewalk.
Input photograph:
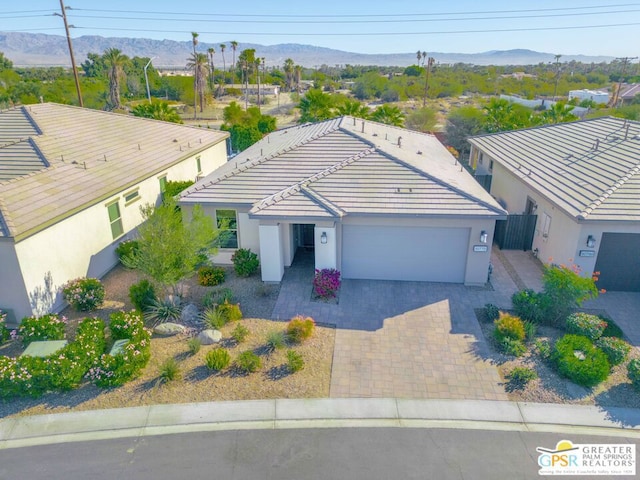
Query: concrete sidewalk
(317, 413)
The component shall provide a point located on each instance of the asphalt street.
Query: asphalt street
(330, 453)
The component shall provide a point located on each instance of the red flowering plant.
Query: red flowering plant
(326, 282)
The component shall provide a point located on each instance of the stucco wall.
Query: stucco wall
(13, 294)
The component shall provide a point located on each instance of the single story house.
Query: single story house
(598, 96)
(582, 181)
(71, 184)
(372, 200)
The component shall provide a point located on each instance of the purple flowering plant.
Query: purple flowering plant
(326, 282)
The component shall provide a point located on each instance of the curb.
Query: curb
(317, 413)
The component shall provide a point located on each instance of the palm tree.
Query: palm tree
(430, 62)
(298, 76)
(115, 61)
(194, 39)
(353, 108)
(559, 112)
(224, 63)
(288, 71)
(199, 63)
(419, 56)
(158, 111)
(211, 51)
(388, 114)
(234, 47)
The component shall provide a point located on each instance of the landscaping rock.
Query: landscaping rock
(209, 337)
(169, 329)
(190, 314)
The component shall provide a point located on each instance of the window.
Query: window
(115, 220)
(131, 197)
(198, 164)
(163, 184)
(228, 226)
(491, 165)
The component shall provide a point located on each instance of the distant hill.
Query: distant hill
(31, 49)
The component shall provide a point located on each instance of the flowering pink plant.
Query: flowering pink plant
(326, 282)
(47, 327)
(84, 294)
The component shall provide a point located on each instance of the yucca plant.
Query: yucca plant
(161, 311)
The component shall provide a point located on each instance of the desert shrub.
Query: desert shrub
(84, 294)
(240, 333)
(230, 311)
(633, 372)
(210, 276)
(326, 282)
(160, 311)
(491, 312)
(576, 358)
(142, 295)
(614, 348)
(248, 362)
(530, 330)
(520, 376)
(275, 340)
(590, 326)
(213, 318)
(543, 348)
(127, 249)
(612, 329)
(565, 290)
(169, 370)
(194, 345)
(529, 305)
(511, 346)
(508, 326)
(217, 359)
(47, 327)
(300, 328)
(217, 297)
(245, 262)
(295, 362)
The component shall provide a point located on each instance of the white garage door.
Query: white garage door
(404, 253)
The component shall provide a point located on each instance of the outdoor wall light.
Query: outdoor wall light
(484, 236)
(323, 237)
(591, 241)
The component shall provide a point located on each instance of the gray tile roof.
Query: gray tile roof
(87, 156)
(628, 92)
(18, 154)
(590, 168)
(338, 167)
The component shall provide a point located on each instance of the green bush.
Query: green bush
(194, 345)
(511, 346)
(127, 249)
(248, 362)
(491, 312)
(173, 188)
(5, 333)
(47, 327)
(566, 289)
(276, 340)
(543, 348)
(217, 297)
(576, 358)
(633, 371)
(84, 294)
(509, 326)
(161, 311)
(590, 326)
(142, 295)
(230, 311)
(614, 348)
(300, 328)
(240, 333)
(170, 370)
(213, 318)
(520, 376)
(245, 262)
(295, 362)
(529, 305)
(217, 359)
(612, 329)
(210, 276)
(530, 330)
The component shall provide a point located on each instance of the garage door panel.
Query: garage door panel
(619, 262)
(405, 253)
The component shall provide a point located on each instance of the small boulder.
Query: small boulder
(169, 329)
(209, 337)
(189, 314)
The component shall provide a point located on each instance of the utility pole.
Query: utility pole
(625, 62)
(555, 89)
(196, 68)
(430, 63)
(73, 60)
(146, 78)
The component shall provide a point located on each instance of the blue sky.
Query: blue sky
(373, 26)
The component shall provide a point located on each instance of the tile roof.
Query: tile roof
(87, 156)
(341, 167)
(589, 168)
(628, 92)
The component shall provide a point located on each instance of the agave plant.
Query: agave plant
(161, 311)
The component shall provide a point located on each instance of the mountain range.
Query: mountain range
(37, 49)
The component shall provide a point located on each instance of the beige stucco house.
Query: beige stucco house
(582, 181)
(373, 201)
(71, 184)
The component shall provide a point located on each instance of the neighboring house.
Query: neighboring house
(373, 201)
(582, 181)
(252, 88)
(629, 92)
(71, 184)
(597, 96)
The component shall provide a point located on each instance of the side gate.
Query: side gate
(516, 232)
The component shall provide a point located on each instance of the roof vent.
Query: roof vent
(400, 142)
(419, 152)
(597, 144)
